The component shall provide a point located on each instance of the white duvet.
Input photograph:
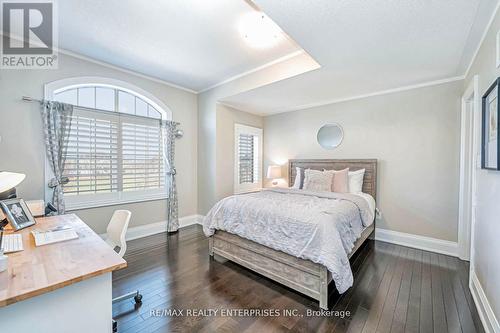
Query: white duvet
(318, 226)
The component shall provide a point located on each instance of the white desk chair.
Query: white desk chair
(117, 228)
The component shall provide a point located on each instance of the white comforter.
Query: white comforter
(318, 226)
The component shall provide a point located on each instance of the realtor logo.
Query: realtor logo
(28, 35)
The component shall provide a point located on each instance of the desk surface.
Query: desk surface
(38, 270)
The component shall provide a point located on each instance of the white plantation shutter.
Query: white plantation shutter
(248, 158)
(92, 157)
(113, 153)
(246, 150)
(142, 155)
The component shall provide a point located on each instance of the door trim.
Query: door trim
(468, 168)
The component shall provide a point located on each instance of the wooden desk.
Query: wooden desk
(56, 269)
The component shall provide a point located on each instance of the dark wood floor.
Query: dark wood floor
(396, 289)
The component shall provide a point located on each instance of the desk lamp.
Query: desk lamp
(8, 183)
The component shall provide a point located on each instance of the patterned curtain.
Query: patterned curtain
(57, 125)
(169, 129)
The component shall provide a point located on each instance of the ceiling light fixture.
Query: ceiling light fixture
(259, 30)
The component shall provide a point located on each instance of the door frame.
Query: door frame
(469, 159)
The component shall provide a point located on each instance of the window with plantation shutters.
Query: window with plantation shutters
(115, 149)
(248, 158)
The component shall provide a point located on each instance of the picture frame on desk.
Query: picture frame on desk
(490, 140)
(17, 213)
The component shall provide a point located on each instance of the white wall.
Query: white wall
(486, 244)
(22, 149)
(415, 137)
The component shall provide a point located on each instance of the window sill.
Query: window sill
(88, 204)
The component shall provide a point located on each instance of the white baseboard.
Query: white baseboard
(490, 322)
(417, 242)
(186, 221)
(389, 236)
(158, 227)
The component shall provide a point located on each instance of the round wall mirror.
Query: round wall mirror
(330, 136)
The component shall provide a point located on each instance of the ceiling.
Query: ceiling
(362, 47)
(365, 47)
(191, 43)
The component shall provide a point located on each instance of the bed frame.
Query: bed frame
(304, 276)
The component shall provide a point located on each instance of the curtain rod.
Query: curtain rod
(31, 99)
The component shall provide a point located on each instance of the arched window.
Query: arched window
(115, 151)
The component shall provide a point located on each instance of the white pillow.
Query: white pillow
(316, 180)
(298, 178)
(356, 181)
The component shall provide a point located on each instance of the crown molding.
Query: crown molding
(486, 30)
(378, 93)
(170, 84)
(256, 69)
(173, 85)
(124, 70)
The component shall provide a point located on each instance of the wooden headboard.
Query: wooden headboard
(370, 165)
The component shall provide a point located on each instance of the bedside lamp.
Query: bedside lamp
(274, 172)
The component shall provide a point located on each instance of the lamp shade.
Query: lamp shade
(274, 171)
(9, 180)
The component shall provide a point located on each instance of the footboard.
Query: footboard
(301, 275)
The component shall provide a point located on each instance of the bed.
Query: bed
(310, 270)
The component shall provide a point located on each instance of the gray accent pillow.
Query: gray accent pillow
(299, 178)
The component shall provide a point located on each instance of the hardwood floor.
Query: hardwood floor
(396, 289)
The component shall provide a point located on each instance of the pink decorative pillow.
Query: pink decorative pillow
(340, 182)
